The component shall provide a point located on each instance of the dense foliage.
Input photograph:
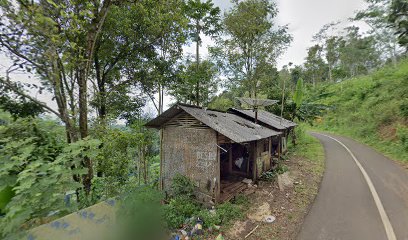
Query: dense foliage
(399, 19)
(39, 167)
(182, 208)
(40, 177)
(370, 108)
(251, 44)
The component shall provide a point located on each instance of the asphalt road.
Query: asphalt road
(355, 202)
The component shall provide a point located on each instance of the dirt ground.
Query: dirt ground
(289, 206)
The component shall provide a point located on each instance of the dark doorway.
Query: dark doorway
(240, 159)
(234, 167)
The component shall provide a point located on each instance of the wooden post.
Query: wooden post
(283, 99)
(218, 186)
(161, 160)
(230, 159)
(255, 154)
(270, 153)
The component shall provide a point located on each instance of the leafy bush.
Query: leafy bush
(402, 133)
(127, 157)
(210, 219)
(178, 210)
(39, 166)
(228, 212)
(182, 186)
(241, 200)
(6, 194)
(182, 207)
(272, 174)
(404, 109)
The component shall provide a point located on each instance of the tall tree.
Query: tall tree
(332, 54)
(57, 40)
(206, 75)
(399, 20)
(376, 17)
(170, 33)
(204, 18)
(358, 54)
(315, 66)
(126, 43)
(251, 38)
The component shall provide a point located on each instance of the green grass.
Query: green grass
(311, 153)
(308, 147)
(372, 109)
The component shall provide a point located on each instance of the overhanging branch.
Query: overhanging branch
(20, 92)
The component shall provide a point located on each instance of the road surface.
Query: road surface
(363, 195)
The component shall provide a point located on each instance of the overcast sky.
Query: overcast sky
(304, 18)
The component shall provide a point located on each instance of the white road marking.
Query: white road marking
(384, 217)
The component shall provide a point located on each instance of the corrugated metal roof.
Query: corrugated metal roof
(230, 125)
(164, 117)
(265, 117)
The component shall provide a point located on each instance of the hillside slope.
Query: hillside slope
(372, 109)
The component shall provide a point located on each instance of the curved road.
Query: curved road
(363, 195)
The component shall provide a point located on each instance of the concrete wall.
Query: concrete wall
(192, 152)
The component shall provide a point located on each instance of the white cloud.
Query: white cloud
(306, 17)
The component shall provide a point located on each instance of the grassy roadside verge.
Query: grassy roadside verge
(311, 165)
(391, 149)
(309, 148)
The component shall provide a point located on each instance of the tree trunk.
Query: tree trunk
(101, 84)
(283, 100)
(85, 64)
(144, 164)
(139, 165)
(160, 110)
(83, 127)
(198, 64)
(330, 74)
(314, 81)
(83, 104)
(394, 56)
(59, 93)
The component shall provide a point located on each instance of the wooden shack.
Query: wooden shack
(269, 120)
(216, 150)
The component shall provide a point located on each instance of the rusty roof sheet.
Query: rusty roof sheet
(234, 127)
(265, 117)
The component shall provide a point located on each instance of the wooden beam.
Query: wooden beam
(161, 160)
(255, 155)
(218, 190)
(270, 153)
(230, 159)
